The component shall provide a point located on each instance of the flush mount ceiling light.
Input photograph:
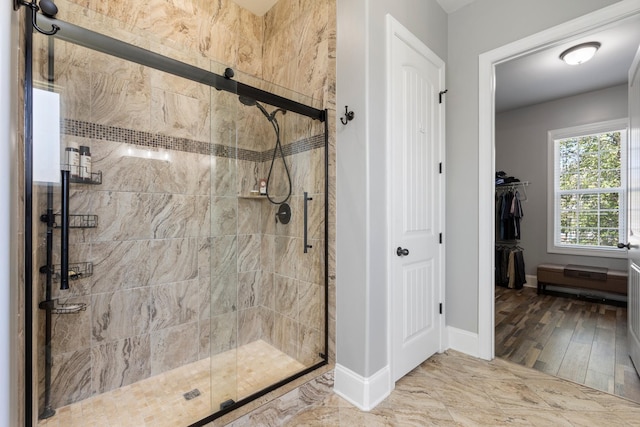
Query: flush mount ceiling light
(580, 54)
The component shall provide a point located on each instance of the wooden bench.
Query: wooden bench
(582, 276)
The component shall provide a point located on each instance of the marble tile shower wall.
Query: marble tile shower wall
(294, 280)
(177, 255)
(144, 297)
(167, 240)
(264, 286)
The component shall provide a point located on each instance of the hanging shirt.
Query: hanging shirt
(516, 214)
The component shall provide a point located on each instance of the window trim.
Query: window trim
(588, 129)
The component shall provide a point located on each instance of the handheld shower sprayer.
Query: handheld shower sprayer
(252, 102)
(276, 127)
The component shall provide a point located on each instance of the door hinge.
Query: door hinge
(442, 92)
(440, 308)
(440, 167)
(440, 238)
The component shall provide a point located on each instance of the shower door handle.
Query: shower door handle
(306, 199)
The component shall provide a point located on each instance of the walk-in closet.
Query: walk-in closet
(560, 215)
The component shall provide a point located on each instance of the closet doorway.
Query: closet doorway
(578, 338)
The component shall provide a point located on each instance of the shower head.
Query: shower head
(251, 102)
(247, 101)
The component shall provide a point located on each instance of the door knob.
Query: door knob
(402, 252)
(622, 245)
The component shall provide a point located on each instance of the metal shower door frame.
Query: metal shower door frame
(86, 38)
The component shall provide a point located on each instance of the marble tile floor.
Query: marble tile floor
(158, 401)
(453, 389)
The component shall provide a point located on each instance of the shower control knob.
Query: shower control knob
(402, 252)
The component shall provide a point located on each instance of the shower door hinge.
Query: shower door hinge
(440, 239)
(442, 92)
(440, 308)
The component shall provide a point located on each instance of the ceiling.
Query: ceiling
(260, 7)
(542, 76)
(257, 7)
(453, 5)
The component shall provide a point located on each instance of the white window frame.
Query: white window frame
(553, 201)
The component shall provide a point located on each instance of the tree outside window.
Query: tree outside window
(589, 187)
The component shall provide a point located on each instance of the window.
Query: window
(587, 205)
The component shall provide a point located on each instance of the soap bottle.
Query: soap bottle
(73, 159)
(85, 163)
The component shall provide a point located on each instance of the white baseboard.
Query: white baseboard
(532, 281)
(463, 341)
(364, 393)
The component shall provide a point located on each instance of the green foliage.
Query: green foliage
(590, 174)
(591, 161)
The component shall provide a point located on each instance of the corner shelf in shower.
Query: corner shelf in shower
(69, 308)
(256, 197)
(63, 308)
(96, 179)
(75, 221)
(77, 271)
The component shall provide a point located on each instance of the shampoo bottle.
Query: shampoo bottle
(85, 163)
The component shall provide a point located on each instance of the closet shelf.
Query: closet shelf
(501, 188)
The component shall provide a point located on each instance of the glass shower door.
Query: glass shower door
(128, 337)
(267, 252)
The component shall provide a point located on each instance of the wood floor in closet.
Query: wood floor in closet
(578, 340)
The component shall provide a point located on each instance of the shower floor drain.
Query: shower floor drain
(192, 394)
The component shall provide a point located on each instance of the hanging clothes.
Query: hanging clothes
(516, 214)
(509, 258)
(509, 213)
(508, 229)
(520, 278)
(509, 267)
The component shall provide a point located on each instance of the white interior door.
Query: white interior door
(416, 117)
(633, 308)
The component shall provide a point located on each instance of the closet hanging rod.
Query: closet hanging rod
(513, 184)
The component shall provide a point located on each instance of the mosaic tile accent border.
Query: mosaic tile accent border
(147, 139)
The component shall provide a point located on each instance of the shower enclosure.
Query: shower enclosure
(189, 293)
